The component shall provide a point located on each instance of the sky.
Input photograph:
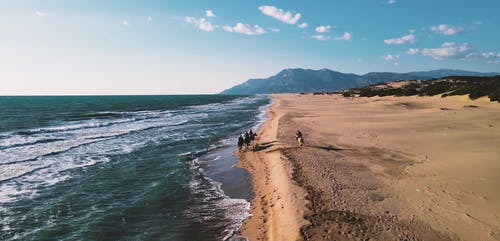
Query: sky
(53, 47)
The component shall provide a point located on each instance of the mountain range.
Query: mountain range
(326, 80)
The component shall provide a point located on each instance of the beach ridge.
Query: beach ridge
(278, 205)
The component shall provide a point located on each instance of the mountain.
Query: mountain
(325, 80)
(440, 73)
(299, 80)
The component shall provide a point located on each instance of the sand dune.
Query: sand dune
(415, 168)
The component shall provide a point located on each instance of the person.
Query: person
(250, 133)
(247, 139)
(240, 142)
(300, 139)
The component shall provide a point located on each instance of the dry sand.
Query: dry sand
(380, 168)
(278, 205)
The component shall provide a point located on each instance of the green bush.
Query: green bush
(475, 87)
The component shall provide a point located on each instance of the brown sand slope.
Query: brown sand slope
(384, 168)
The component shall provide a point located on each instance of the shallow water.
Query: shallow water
(123, 167)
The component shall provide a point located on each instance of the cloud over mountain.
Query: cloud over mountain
(410, 38)
(280, 14)
(446, 29)
(201, 23)
(245, 29)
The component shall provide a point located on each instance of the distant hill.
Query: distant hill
(473, 86)
(325, 80)
(450, 72)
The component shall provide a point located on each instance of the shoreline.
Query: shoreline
(219, 165)
(364, 179)
(277, 204)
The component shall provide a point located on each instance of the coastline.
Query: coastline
(277, 205)
(375, 168)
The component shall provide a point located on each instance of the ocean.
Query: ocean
(124, 167)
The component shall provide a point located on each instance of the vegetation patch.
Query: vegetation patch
(475, 87)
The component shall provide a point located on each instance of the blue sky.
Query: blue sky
(179, 47)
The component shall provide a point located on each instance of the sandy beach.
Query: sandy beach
(379, 168)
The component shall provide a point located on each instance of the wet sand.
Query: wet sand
(380, 168)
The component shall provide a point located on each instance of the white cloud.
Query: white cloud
(40, 13)
(280, 14)
(391, 57)
(410, 38)
(125, 23)
(346, 37)
(489, 55)
(452, 50)
(412, 51)
(210, 14)
(494, 61)
(150, 18)
(245, 29)
(447, 29)
(303, 25)
(201, 24)
(274, 29)
(321, 37)
(391, 1)
(323, 29)
(448, 50)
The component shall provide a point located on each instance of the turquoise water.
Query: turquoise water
(123, 167)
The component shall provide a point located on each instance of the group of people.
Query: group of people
(246, 139)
